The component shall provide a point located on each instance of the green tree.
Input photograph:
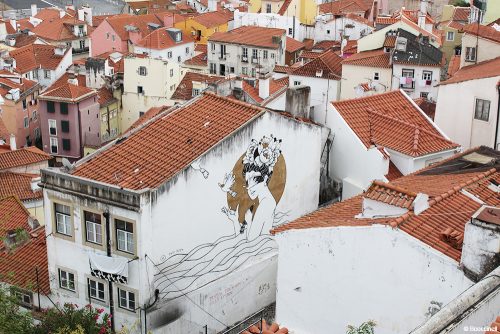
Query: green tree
(12, 318)
(460, 3)
(365, 328)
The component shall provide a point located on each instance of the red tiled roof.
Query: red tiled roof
(461, 14)
(57, 29)
(24, 39)
(250, 35)
(160, 39)
(214, 19)
(358, 18)
(63, 90)
(326, 45)
(453, 66)
(275, 86)
(310, 54)
(34, 56)
(151, 113)
(199, 60)
(48, 13)
(282, 69)
(351, 47)
(451, 24)
(428, 107)
(486, 32)
(185, 89)
(393, 173)
(105, 97)
(200, 48)
(328, 65)
(293, 45)
(284, 7)
(7, 83)
(4, 133)
(383, 20)
(429, 227)
(273, 328)
(22, 157)
(119, 22)
(391, 120)
(13, 215)
(389, 194)
(344, 6)
(486, 69)
(375, 58)
(19, 185)
(139, 161)
(390, 41)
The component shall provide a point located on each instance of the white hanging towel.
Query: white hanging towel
(402, 80)
(114, 269)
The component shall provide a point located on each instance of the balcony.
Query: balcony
(81, 50)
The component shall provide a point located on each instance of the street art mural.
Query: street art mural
(253, 189)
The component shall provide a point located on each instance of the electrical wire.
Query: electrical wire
(185, 295)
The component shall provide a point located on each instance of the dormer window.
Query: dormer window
(178, 37)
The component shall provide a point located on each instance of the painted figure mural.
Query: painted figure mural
(253, 189)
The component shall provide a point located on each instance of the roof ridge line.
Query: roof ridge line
(393, 187)
(400, 220)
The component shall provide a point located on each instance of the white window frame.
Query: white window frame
(269, 8)
(47, 74)
(26, 122)
(171, 72)
(63, 220)
(143, 71)
(93, 230)
(481, 115)
(376, 76)
(427, 75)
(65, 282)
(53, 125)
(124, 301)
(169, 54)
(452, 36)
(470, 54)
(96, 289)
(56, 141)
(124, 239)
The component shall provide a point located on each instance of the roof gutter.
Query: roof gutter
(497, 126)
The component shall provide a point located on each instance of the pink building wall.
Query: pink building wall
(84, 126)
(100, 43)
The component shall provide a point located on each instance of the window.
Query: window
(34, 115)
(140, 90)
(253, 71)
(187, 51)
(107, 35)
(213, 68)
(268, 8)
(376, 76)
(470, 54)
(113, 38)
(245, 53)
(482, 111)
(52, 127)
(290, 31)
(67, 280)
(328, 31)
(143, 71)
(427, 76)
(46, 74)
(66, 144)
(126, 299)
(63, 219)
(24, 104)
(450, 36)
(65, 126)
(407, 79)
(23, 297)
(179, 59)
(169, 54)
(264, 54)
(37, 133)
(231, 69)
(296, 83)
(244, 70)
(424, 94)
(93, 227)
(254, 53)
(96, 289)
(272, 55)
(222, 50)
(171, 72)
(51, 107)
(35, 74)
(53, 145)
(124, 236)
(26, 122)
(196, 92)
(212, 46)
(64, 108)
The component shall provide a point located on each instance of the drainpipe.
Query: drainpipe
(495, 143)
(110, 283)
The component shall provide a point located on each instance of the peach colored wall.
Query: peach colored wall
(100, 43)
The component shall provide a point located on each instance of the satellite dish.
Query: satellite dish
(67, 164)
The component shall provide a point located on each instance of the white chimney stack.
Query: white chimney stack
(13, 145)
(34, 9)
(422, 14)
(212, 5)
(264, 81)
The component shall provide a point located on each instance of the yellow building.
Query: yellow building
(492, 11)
(109, 109)
(304, 10)
(452, 21)
(201, 27)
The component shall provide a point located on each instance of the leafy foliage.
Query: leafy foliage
(12, 318)
(365, 328)
(461, 3)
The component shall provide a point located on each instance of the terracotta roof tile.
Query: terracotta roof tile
(120, 22)
(276, 86)
(284, 7)
(428, 107)
(351, 47)
(327, 65)
(390, 41)
(383, 20)
(282, 69)
(310, 54)
(214, 19)
(494, 327)
(34, 56)
(198, 60)
(461, 14)
(345, 6)
(326, 45)
(375, 58)
(486, 32)
(389, 194)
(486, 69)
(63, 90)
(13, 215)
(139, 160)
(445, 235)
(105, 97)
(185, 89)
(23, 39)
(265, 328)
(293, 45)
(57, 29)
(22, 157)
(48, 13)
(453, 66)
(149, 114)
(393, 173)
(250, 35)
(160, 39)
(19, 185)
(4, 133)
(391, 120)
(200, 48)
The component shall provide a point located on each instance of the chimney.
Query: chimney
(60, 50)
(212, 5)
(422, 14)
(264, 81)
(34, 183)
(481, 245)
(13, 145)
(62, 12)
(168, 20)
(72, 79)
(298, 101)
(34, 9)
(13, 23)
